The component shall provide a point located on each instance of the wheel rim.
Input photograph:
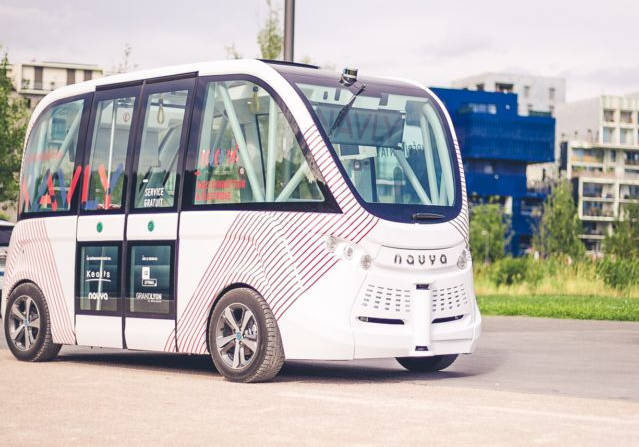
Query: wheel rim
(24, 323)
(237, 336)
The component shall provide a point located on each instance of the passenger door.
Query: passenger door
(152, 223)
(102, 220)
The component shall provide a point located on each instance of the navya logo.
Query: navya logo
(419, 260)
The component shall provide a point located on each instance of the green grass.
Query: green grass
(561, 306)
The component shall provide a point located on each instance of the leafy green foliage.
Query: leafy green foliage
(510, 271)
(620, 273)
(624, 242)
(488, 232)
(270, 38)
(13, 123)
(559, 228)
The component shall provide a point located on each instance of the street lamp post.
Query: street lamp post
(289, 29)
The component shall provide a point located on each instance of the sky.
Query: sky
(594, 45)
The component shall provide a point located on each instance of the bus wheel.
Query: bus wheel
(427, 364)
(27, 325)
(244, 339)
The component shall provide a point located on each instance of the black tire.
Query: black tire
(268, 357)
(42, 348)
(427, 364)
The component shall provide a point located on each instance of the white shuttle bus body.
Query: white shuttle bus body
(257, 211)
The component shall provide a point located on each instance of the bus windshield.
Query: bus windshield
(390, 139)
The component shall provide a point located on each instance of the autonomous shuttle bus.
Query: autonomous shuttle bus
(253, 210)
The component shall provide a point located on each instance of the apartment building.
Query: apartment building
(538, 95)
(498, 146)
(33, 80)
(599, 144)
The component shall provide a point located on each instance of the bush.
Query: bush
(510, 271)
(619, 273)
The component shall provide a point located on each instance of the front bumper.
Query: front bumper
(405, 315)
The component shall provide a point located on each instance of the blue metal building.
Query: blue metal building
(497, 145)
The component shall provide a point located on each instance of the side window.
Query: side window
(103, 187)
(247, 150)
(49, 177)
(99, 288)
(159, 150)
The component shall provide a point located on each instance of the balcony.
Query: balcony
(597, 210)
(584, 158)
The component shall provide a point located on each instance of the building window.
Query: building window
(608, 135)
(88, 75)
(526, 91)
(632, 158)
(551, 109)
(551, 93)
(503, 87)
(480, 87)
(625, 136)
(609, 116)
(70, 76)
(625, 117)
(479, 108)
(37, 83)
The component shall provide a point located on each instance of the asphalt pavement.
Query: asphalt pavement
(532, 381)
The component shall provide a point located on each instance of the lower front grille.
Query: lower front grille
(449, 301)
(386, 299)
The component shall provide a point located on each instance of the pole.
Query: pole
(289, 29)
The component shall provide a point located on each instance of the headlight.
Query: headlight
(366, 261)
(331, 243)
(348, 252)
(462, 261)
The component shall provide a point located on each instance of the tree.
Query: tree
(14, 114)
(624, 242)
(270, 38)
(125, 65)
(559, 228)
(488, 232)
(231, 52)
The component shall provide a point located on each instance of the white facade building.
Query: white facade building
(33, 80)
(599, 141)
(537, 94)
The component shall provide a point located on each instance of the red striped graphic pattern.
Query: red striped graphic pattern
(31, 258)
(282, 255)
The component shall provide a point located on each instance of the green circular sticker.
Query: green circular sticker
(151, 225)
(100, 227)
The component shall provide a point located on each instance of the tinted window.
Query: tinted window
(151, 279)
(99, 281)
(159, 150)
(104, 186)
(48, 176)
(247, 150)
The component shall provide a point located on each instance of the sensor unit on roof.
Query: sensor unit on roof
(349, 76)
